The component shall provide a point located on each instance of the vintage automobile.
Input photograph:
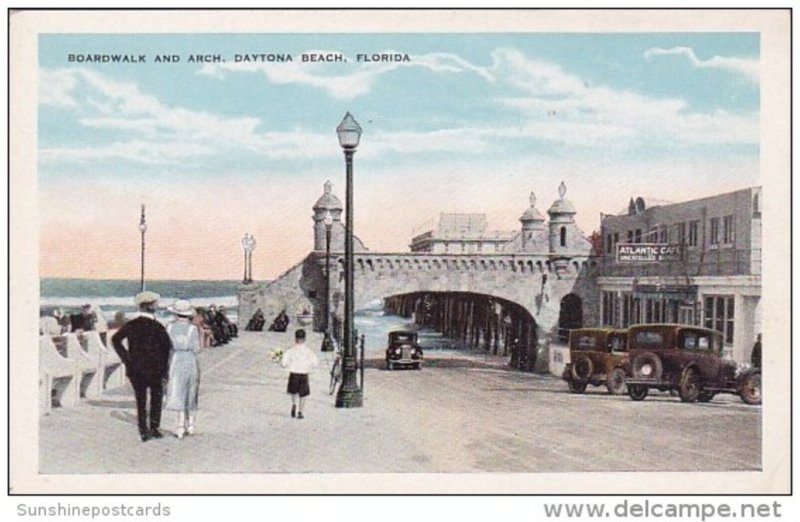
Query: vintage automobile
(687, 359)
(403, 350)
(597, 356)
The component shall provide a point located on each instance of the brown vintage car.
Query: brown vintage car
(597, 356)
(687, 359)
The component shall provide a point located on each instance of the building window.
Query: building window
(681, 233)
(718, 314)
(630, 236)
(686, 315)
(727, 230)
(637, 238)
(756, 208)
(627, 309)
(662, 234)
(714, 235)
(563, 236)
(693, 228)
(616, 237)
(609, 245)
(609, 303)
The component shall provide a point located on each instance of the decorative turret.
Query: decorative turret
(532, 222)
(328, 202)
(563, 231)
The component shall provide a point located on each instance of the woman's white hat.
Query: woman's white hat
(182, 307)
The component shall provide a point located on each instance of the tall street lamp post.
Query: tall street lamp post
(327, 344)
(142, 229)
(350, 394)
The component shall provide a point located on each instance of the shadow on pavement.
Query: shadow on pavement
(112, 403)
(124, 416)
(380, 364)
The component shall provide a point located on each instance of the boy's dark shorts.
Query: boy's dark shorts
(298, 384)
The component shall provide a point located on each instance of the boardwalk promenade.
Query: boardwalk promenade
(461, 413)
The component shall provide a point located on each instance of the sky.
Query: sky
(470, 123)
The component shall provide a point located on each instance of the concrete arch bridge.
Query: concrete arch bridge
(531, 290)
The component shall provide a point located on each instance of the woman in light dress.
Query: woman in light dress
(184, 369)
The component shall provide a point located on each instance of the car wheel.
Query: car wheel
(647, 366)
(576, 387)
(751, 389)
(582, 368)
(705, 396)
(637, 392)
(616, 382)
(690, 387)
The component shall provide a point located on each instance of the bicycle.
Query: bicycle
(336, 372)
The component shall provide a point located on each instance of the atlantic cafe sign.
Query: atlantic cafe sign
(648, 253)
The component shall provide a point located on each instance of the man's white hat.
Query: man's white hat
(146, 297)
(182, 307)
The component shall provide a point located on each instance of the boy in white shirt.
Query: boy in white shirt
(299, 360)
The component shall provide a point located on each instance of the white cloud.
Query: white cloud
(746, 67)
(148, 131)
(345, 86)
(564, 108)
(56, 88)
(146, 152)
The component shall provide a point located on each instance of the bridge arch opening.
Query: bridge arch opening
(473, 321)
(570, 315)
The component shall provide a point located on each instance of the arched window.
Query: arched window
(563, 236)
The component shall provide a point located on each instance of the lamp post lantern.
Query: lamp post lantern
(327, 343)
(142, 229)
(350, 394)
(248, 245)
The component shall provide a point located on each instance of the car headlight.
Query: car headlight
(647, 370)
(398, 351)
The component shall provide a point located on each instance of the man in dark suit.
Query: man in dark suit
(146, 361)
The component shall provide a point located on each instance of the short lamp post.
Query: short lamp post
(142, 229)
(250, 258)
(248, 245)
(245, 248)
(350, 394)
(327, 343)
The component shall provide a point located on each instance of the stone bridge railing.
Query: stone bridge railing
(522, 263)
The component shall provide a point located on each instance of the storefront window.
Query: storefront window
(719, 315)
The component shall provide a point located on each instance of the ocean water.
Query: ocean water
(111, 295)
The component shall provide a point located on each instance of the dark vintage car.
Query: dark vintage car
(687, 359)
(597, 356)
(403, 350)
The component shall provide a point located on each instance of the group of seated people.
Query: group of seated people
(215, 327)
(87, 319)
(257, 322)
